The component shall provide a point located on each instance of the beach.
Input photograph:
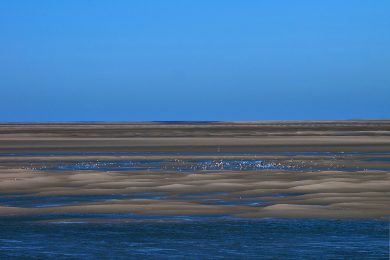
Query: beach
(282, 169)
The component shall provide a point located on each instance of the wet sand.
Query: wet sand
(352, 181)
(282, 136)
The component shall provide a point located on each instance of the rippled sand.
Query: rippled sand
(336, 194)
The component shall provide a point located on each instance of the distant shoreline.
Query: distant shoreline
(264, 136)
(190, 122)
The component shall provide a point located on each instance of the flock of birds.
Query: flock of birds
(173, 165)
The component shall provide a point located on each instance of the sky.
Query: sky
(95, 60)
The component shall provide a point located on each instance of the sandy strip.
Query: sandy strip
(326, 194)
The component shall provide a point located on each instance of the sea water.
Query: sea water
(196, 239)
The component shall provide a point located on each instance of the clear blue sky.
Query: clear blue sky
(79, 60)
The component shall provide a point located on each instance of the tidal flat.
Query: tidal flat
(169, 189)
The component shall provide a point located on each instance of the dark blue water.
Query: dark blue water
(240, 239)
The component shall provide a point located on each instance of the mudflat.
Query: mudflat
(287, 169)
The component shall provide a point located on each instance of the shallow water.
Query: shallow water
(32, 201)
(165, 161)
(26, 200)
(191, 165)
(169, 165)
